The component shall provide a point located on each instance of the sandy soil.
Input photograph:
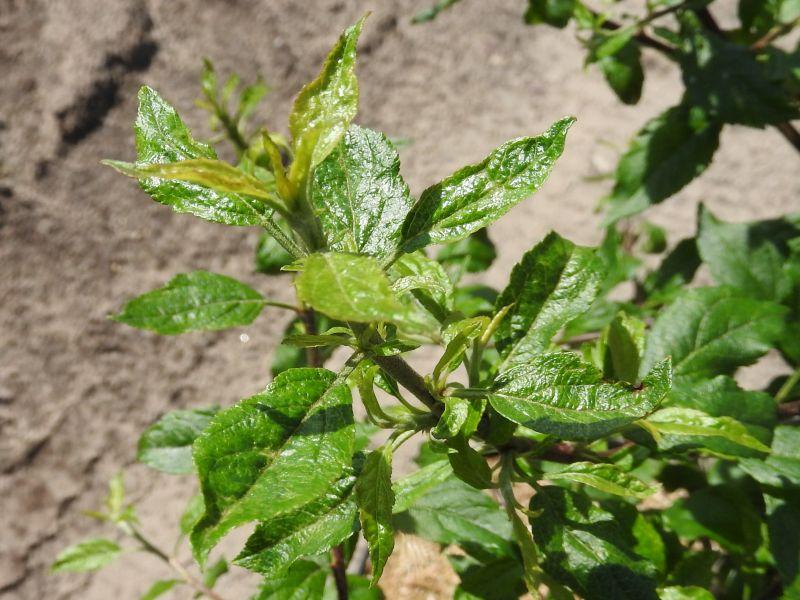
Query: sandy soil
(76, 240)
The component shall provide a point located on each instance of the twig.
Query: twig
(789, 409)
(406, 376)
(339, 572)
(787, 387)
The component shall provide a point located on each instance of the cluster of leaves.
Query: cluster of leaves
(737, 76)
(650, 472)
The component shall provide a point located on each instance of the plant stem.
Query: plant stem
(285, 241)
(339, 572)
(787, 387)
(310, 321)
(406, 376)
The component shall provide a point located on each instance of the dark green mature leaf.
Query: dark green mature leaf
(783, 525)
(213, 572)
(727, 80)
(746, 255)
(473, 254)
(375, 501)
(468, 464)
(412, 487)
(665, 155)
(455, 513)
(167, 445)
(676, 270)
(589, 548)
(625, 344)
(499, 579)
(561, 395)
(160, 588)
(310, 530)
(554, 283)
(348, 287)
(722, 513)
(474, 300)
(686, 428)
(193, 302)
(712, 331)
(359, 195)
(622, 67)
(161, 137)
(324, 108)
(479, 194)
(88, 555)
(604, 477)
(782, 467)
(305, 580)
(272, 453)
(552, 12)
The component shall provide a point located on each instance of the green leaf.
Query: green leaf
(426, 280)
(746, 255)
(589, 548)
(479, 194)
(455, 513)
(783, 525)
(161, 137)
(160, 588)
(604, 477)
(291, 357)
(676, 592)
(460, 415)
(359, 195)
(552, 12)
(554, 283)
(474, 300)
(271, 257)
(468, 464)
(712, 331)
(358, 588)
(722, 513)
(375, 501)
(782, 467)
(621, 67)
(89, 555)
(198, 301)
(685, 428)
(272, 453)
(312, 529)
(348, 287)
(209, 173)
(410, 488)
(625, 343)
(429, 14)
(462, 334)
(727, 80)
(167, 445)
(324, 108)
(192, 513)
(559, 394)
(676, 270)
(669, 151)
(212, 573)
(304, 581)
(499, 579)
(473, 254)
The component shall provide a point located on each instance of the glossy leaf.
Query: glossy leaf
(426, 280)
(324, 108)
(167, 445)
(479, 194)
(348, 287)
(473, 254)
(310, 530)
(88, 555)
(304, 581)
(669, 151)
(375, 501)
(161, 137)
(272, 453)
(588, 547)
(468, 464)
(604, 477)
(359, 195)
(560, 395)
(462, 334)
(554, 283)
(193, 302)
(712, 331)
(410, 488)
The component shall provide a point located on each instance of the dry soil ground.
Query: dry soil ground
(76, 239)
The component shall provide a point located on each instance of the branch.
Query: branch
(406, 376)
(339, 573)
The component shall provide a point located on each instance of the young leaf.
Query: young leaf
(271, 257)
(305, 580)
(622, 68)
(677, 592)
(552, 12)
(426, 280)
(375, 501)
(782, 467)
(89, 555)
(348, 287)
(310, 530)
(359, 195)
(410, 488)
(589, 548)
(324, 108)
(560, 395)
(665, 155)
(460, 415)
(468, 464)
(429, 14)
(604, 477)
(198, 301)
(272, 453)
(554, 282)
(159, 588)
(685, 428)
(746, 255)
(473, 254)
(466, 331)
(479, 194)
(712, 331)
(625, 343)
(167, 445)
(161, 137)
